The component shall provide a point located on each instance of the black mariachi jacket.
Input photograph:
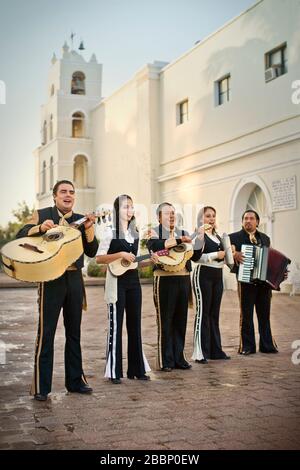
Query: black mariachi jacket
(51, 213)
(242, 238)
(211, 246)
(120, 244)
(156, 244)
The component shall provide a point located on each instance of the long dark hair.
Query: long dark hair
(116, 218)
(201, 214)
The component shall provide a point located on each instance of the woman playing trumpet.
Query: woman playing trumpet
(208, 290)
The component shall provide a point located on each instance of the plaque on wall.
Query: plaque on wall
(284, 194)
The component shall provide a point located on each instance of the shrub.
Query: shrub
(96, 270)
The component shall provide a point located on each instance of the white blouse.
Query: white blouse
(210, 259)
(107, 238)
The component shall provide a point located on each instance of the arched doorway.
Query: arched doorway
(257, 201)
(252, 194)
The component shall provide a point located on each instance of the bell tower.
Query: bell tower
(66, 150)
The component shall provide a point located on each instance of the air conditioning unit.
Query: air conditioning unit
(273, 72)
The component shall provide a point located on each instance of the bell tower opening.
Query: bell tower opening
(80, 171)
(78, 83)
(78, 125)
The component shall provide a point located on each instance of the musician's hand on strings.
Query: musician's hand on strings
(47, 225)
(91, 219)
(221, 254)
(128, 256)
(238, 257)
(154, 258)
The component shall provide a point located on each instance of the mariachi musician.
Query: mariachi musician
(256, 294)
(171, 291)
(66, 292)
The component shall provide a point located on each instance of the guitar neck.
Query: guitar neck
(142, 258)
(79, 222)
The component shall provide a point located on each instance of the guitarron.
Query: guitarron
(42, 258)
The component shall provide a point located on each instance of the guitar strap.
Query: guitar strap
(63, 222)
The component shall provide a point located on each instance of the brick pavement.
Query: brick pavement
(246, 403)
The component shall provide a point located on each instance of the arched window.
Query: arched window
(80, 173)
(78, 83)
(52, 89)
(51, 173)
(44, 178)
(44, 133)
(78, 125)
(51, 128)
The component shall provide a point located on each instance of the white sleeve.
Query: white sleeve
(208, 257)
(105, 242)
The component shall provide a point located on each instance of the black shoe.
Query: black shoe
(184, 366)
(139, 377)
(272, 351)
(116, 381)
(201, 361)
(247, 352)
(40, 397)
(84, 388)
(166, 369)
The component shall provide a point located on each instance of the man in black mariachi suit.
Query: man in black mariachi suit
(171, 291)
(256, 294)
(66, 292)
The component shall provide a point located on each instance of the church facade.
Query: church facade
(218, 126)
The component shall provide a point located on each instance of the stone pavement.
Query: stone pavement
(247, 403)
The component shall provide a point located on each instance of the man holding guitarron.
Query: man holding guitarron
(65, 292)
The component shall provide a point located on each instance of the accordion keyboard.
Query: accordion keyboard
(246, 269)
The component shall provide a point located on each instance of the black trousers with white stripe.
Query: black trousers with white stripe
(208, 290)
(129, 300)
(259, 296)
(65, 293)
(171, 297)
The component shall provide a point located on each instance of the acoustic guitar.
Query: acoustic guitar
(120, 266)
(45, 257)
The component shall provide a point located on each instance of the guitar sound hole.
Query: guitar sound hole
(179, 248)
(51, 237)
(125, 263)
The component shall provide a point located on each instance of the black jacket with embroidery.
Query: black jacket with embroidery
(156, 244)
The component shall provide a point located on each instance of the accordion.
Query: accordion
(263, 264)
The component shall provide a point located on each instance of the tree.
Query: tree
(22, 214)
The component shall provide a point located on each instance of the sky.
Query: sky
(124, 35)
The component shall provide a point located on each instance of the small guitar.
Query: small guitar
(45, 257)
(120, 266)
(176, 258)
